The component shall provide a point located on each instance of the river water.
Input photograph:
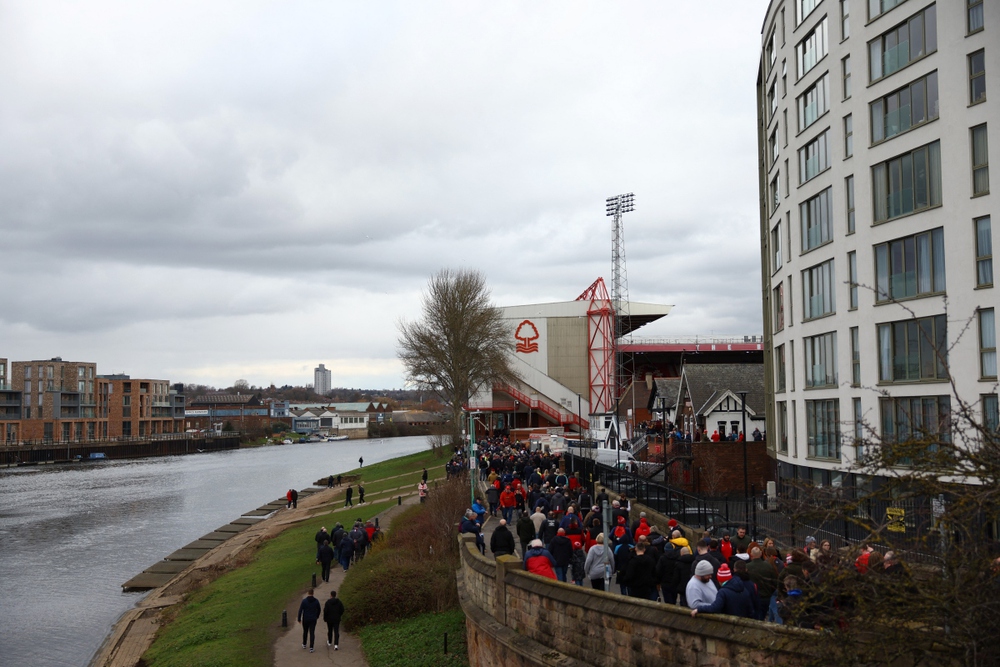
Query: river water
(71, 535)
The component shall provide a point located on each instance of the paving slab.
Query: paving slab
(246, 521)
(205, 544)
(232, 528)
(259, 512)
(168, 567)
(147, 580)
(217, 536)
(188, 554)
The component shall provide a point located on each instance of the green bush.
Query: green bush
(417, 642)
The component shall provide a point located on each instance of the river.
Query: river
(71, 535)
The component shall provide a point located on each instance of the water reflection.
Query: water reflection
(71, 535)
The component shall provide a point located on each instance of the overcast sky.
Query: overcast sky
(206, 191)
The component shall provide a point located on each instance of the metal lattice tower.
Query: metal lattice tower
(615, 207)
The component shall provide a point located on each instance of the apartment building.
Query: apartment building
(322, 377)
(876, 221)
(139, 407)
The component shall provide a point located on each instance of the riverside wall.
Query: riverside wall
(523, 620)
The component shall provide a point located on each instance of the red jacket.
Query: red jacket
(641, 529)
(726, 547)
(540, 561)
(507, 498)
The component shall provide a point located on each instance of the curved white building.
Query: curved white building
(874, 130)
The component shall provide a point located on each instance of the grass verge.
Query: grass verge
(234, 619)
(417, 641)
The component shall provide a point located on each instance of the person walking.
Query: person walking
(295, 498)
(333, 611)
(422, 490)
(348, 495)
(525, 532)
(502, 540)
(361, 493)
(361, 462)
(346, 551)
(309, 611)
(325, 558)
(423, 477)
(595, 565)
(329, 482)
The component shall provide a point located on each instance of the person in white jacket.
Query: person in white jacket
(594, 565)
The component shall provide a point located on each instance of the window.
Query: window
(782, 427)
(910, 266)
(911, 105)
(803, 8)
(987, 344)
(791, 359)
(814, 102)
(859, 428)
(845, 16)
(915, 417)
(879, 7)
(849, 187)
(775, 192)
(913, 350)
(779, 307)
(784, 118)
(855, 357)
(812, 48)
(818, 291)
(897, 48)
(823, 428)
(772, 101)
(991, 413)
(848, 135)
(814, 158)
(784, 78)
(821, 360)
(27, 387)
(975, 16)
(907, 183)
(816, 214)
(980, 161)
(791, 316)
(984, 253)
(852, 267)
(779, 366)
(772, 144)
(776, 248)
(845, 66)
(27, 373)
(771, 52)
(977, 77)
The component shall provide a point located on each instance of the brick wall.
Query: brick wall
(520, 619)
(717, 467)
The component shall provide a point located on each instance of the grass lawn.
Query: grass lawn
(234, 619)
(421, 639)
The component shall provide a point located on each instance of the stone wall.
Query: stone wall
(520, 619)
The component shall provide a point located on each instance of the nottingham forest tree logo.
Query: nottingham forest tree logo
(526, 335)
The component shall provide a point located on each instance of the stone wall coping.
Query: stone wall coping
(476, 560)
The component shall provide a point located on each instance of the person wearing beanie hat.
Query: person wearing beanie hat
(737, 597)
(700, 589)
(723, 575)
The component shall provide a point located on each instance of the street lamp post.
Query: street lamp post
(746, 474)
(473, 466)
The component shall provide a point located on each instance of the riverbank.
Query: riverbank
(264, 565)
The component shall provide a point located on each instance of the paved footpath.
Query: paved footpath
(288, 651)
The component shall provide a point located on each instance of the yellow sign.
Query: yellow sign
(895, 518)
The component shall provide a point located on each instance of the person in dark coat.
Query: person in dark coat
(309, 611)
(765, 576)
(333, 611)
(640, 575)
(348, 495)
(325, 558)
(346, 551)
(737, 596)
(471, 526)
(329, 482)
(361, 494)
(525, 531)
(549, 530)
(623, 552)
(561, 549)
(666, 572)
(502, 541)
(682, 573)
(321, 537)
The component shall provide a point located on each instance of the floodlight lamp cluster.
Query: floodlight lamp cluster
(620, 204)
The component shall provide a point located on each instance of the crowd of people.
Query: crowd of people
(559, 527)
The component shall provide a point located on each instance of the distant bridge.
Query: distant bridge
(753, 343)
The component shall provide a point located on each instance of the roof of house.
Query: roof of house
(226, 399)
(706, 382)
(666, 388)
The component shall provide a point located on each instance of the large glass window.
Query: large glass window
(984, 252)
(845, 66)
(980, 161)
(855, 357)
(814, 157)
(910, 266)
(977, 77)
(772, 100)
(852, 284)
(779, 367)
(818, 290)
(814, 102)
(911, 105)
(775, 189)
(845, 19)
(991, 413)
(776, 248)
(848, 135)
(849, 188)
(878, 7)
(821, 360)
(916, 418)
(779, 307)
(897, 48)
(823, 428)
(782, 427)
(987, 344)
(975, 15)
(812, 48)
(913, 350)
(859, 428)
(907, 183)
(816, 214)
(803, 8)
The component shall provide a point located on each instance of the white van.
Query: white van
(613, 457)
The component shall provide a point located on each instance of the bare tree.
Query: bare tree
(460, 344)
(241, 385)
